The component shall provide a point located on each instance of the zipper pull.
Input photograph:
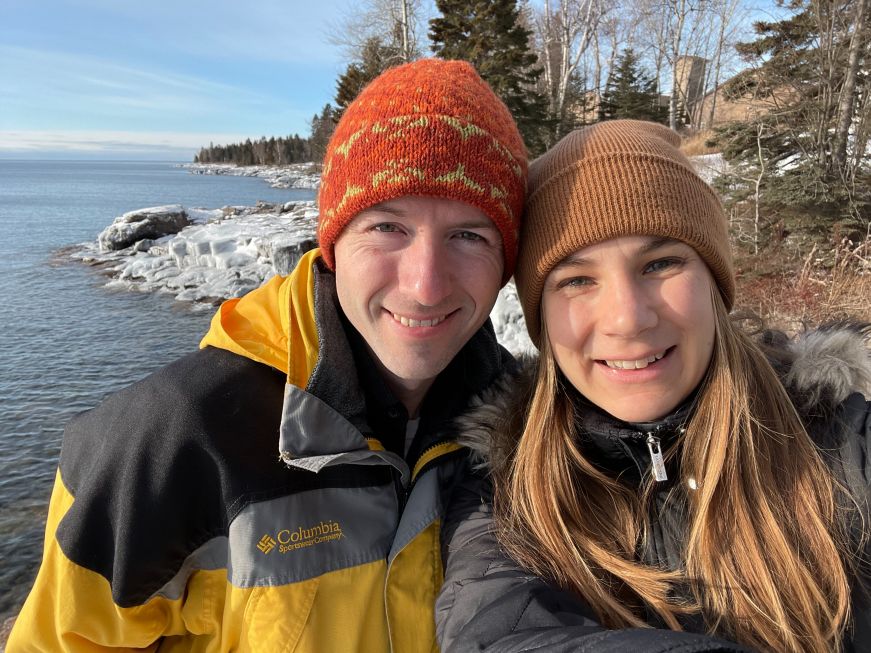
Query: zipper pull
(656, 461)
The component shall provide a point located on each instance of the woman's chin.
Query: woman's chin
(637, 411)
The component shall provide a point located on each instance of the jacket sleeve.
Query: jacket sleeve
(490, 603)
(135, 539)
(855, 445)
(70, 608)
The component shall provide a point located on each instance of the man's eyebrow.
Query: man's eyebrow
(476, 223)
(469, 223)
(377, 208)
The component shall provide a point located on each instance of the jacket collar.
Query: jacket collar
(622, 447)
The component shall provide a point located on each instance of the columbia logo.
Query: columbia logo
(266, 544)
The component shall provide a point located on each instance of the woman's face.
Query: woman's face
(631, 323)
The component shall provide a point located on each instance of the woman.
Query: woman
(660, 471)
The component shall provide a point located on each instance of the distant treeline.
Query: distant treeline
(272, 151)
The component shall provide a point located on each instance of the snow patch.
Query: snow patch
(296, 175)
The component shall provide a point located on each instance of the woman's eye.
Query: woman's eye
(384, 227)
(663, 264)
(575, 282)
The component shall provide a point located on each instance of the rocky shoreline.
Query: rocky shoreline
(295, 175)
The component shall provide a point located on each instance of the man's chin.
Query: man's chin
(413, 374)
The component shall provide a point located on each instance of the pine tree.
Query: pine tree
(797, 70)
(375, 59)
(631, 93)
(490, 35)
(322, 128)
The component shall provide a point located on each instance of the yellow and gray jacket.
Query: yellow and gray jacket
(236, 501)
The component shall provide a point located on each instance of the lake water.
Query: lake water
(65, 341)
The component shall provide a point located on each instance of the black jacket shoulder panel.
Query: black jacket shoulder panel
(163, 466)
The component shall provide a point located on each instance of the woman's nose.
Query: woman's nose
(627, 310)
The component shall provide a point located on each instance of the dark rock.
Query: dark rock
(285, 257)
(267, 207)
(151, 223)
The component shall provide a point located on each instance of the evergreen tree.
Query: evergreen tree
(490, 35)
(797, 70)
(375, 59)
(631, 93)
(322, 128)
(275, 151)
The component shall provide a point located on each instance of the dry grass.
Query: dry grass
(695, 145)
(811, 291)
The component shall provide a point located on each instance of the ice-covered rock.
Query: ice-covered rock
(134, 226)
(508, 322)
(224, 253)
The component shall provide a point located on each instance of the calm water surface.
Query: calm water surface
(65, 341)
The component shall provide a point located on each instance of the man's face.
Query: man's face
(417, 277)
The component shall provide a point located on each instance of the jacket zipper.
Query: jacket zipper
(656, 461)
(403, 494)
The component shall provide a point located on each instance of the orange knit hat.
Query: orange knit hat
(429, 128)
(612, 179)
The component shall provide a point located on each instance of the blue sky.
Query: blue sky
(156, 79)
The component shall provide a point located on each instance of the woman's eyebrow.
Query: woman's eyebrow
(571, 261)
(656, 243)
(577, 260)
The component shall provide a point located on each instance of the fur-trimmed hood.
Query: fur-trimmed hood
(819, 368)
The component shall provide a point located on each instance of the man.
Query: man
(282, 488)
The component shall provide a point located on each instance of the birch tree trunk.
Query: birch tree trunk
(726, 13)
(679, 16)
(847, 101)
(580, 18)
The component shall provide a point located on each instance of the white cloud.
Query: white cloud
(98, 142)
(92, 78)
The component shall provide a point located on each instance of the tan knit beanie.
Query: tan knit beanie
(616, 178)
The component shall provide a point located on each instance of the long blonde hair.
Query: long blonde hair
(765, 552)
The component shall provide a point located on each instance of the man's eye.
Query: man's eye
(470, 235)
(384, 227)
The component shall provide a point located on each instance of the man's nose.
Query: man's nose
(425, 274)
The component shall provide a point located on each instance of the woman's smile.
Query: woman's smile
(634, 363)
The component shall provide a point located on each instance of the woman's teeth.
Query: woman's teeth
(634, 365)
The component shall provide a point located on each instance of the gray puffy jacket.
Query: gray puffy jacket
(489, 603)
